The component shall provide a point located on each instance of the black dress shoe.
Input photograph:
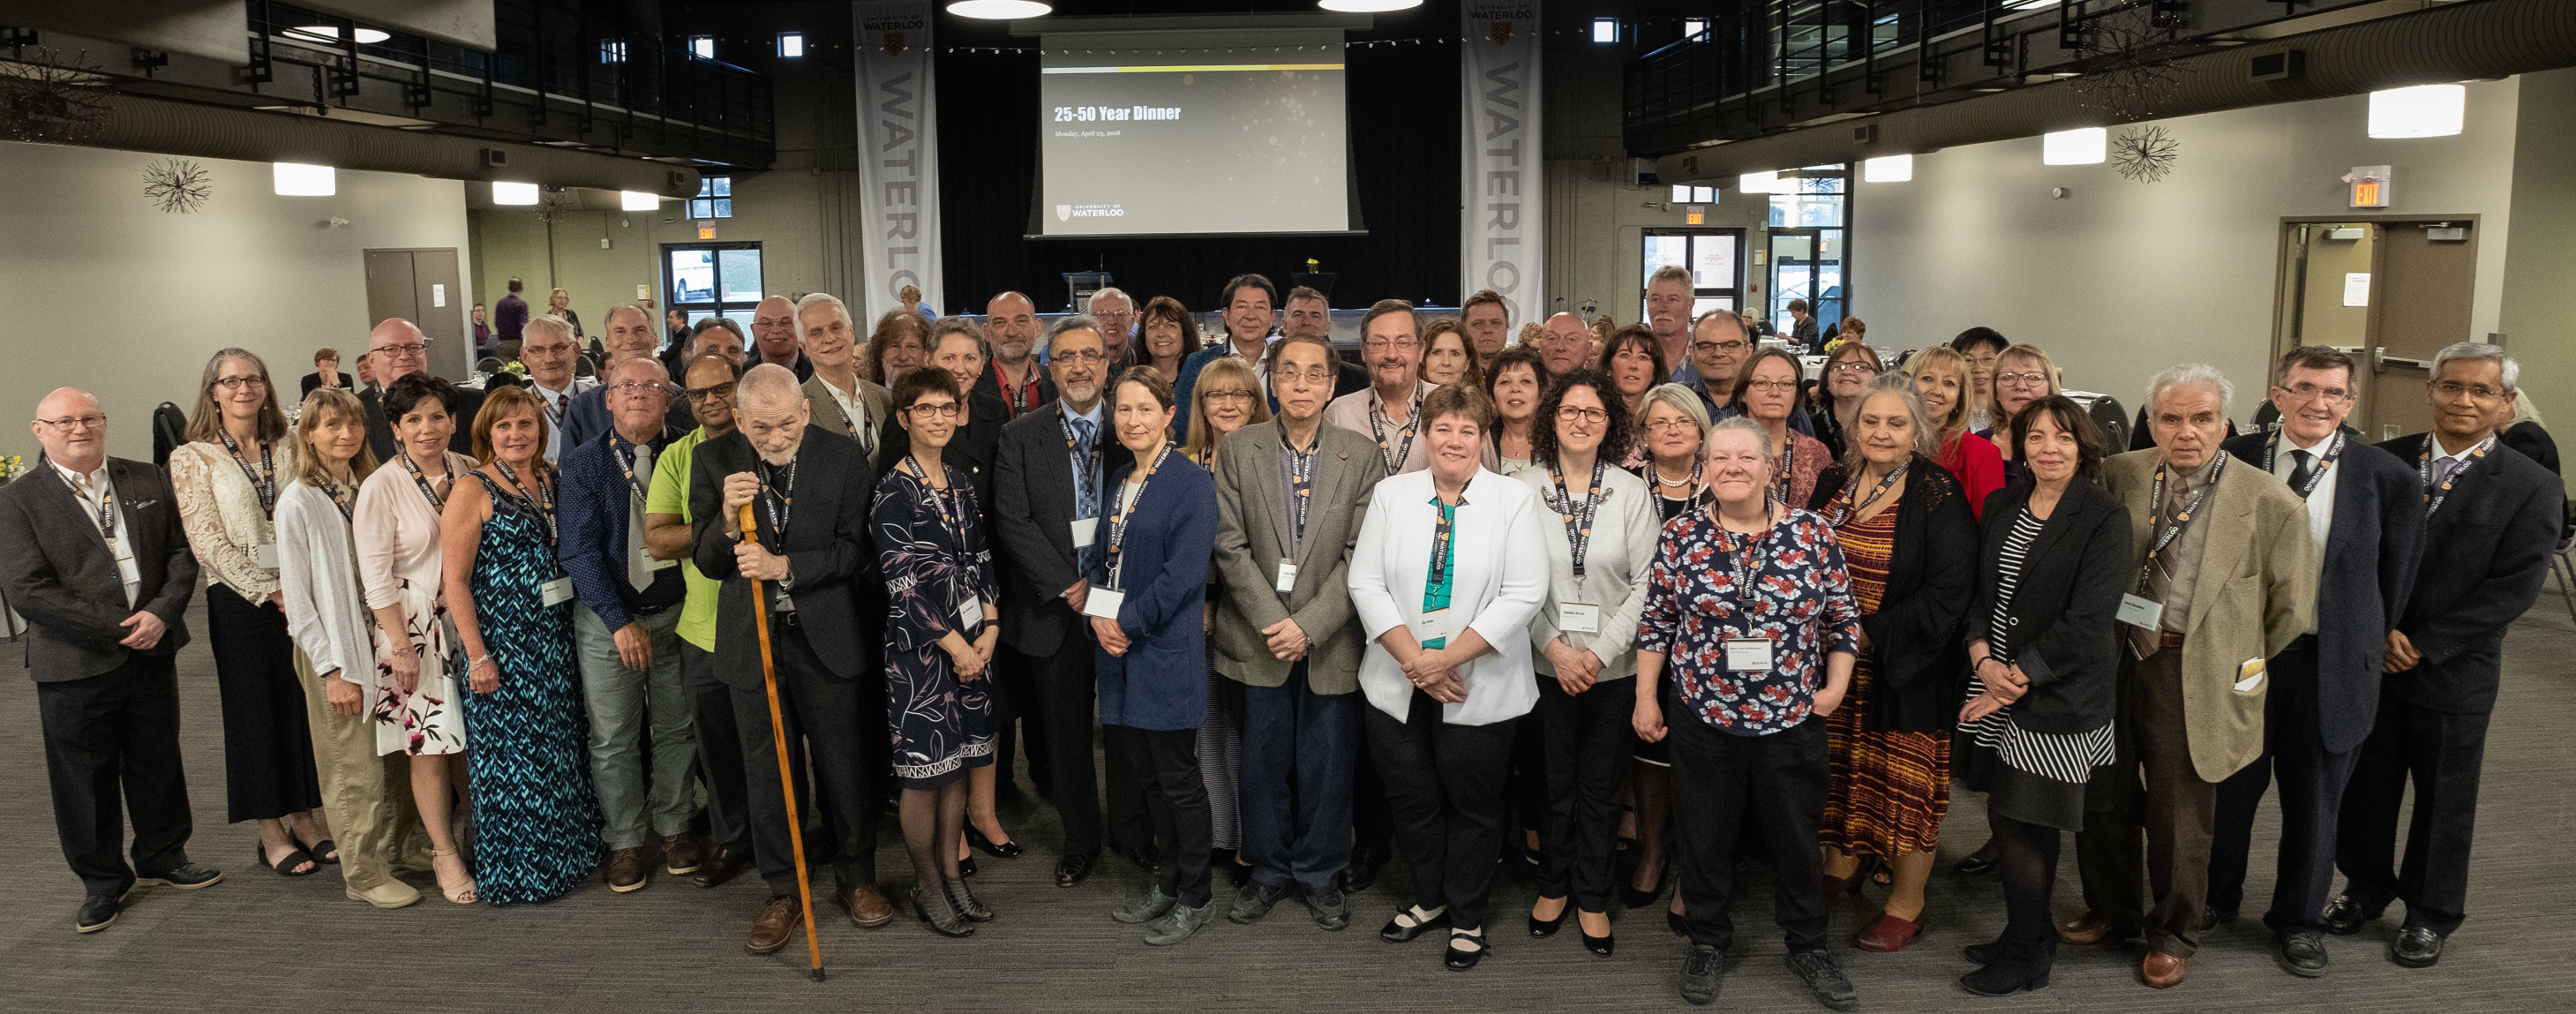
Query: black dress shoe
(98, 913)
(1978, 863)
(1005, 850)
(2344, 916)
(2303, 953)
(185, 876)
(1070, 870)
(966, 867)
(1983, 954)
(1601, 947)
(1460, 959)
(1363, 870)
(1146, 857)
(2215, 916)
(1396, 932)
(2416, 947)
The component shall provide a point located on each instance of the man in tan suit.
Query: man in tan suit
(842, 401)
(2227, 580)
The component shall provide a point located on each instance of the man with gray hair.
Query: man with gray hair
(2492, 518)
(587, 417)
(843, 402)
(2226, 579)
(547, 350)
(1116, 312)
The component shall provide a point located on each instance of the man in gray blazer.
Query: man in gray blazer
(843, 402)
(92, 554)
(1290, 496)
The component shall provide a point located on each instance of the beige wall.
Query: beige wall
(2538, 315)
(119, 298)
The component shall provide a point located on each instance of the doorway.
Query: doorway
(421, 286)
(703, 280)
(2390, 292)
(1714, 256)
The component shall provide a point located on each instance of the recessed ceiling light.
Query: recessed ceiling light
(2434, 110)
(514, 193)
(999, 10)
(1367, 6)
(331, 34)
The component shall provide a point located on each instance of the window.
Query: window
(1715, 258)
(714, 200)
(1605, 29)
(1693, 26)
(791, 44)
(612, 51)
(1810, 214)
(702, 46)
(1694, 195)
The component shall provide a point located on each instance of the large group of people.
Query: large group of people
(1633, 603)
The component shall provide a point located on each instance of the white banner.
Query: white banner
(898, 155)
(1501, 192)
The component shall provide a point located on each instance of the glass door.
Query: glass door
(705, 280)
(1715, 258)
(1797, 272)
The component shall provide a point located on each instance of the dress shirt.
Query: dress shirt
(2320, 500)
(92, 491)
(557, 403)
(855, 409)
(670, 495)
(2457, 461)
(1353, 412)
(2176, 572)
(1800, 601)
(1073, 457)
(602, 544)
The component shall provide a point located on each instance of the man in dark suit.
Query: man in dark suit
(1246, 306)
(2491, 523)
(586, 417)
(397, 349)
(91, 553)
(1047, 486)
(809, 548)
(2367, 519)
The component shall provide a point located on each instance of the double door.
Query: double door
(2388, 291)
(422, 286)
(703, 280)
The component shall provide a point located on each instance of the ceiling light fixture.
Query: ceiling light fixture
(1367, 6)
(999, 10)
(2422, 111)
(331, 34)
(1888, 169)
(295, 179)
(513, 193)
(632, 200)
(1759, 183)
(2088, 146)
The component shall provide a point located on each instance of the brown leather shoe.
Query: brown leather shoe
(2159, 970)
(2085, 929)
(1889, 934)
(682, 854)
(774, 926)
(869, 907)
(720, 865)
(626, 870)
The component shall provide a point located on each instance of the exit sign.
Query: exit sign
(2368, 186)
(706, 232)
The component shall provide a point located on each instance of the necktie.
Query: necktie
(2299, 475)
(2159, 579)
(1083, 434)
(639, 568)
(2443, 470)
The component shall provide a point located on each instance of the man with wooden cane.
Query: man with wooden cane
(807, 555)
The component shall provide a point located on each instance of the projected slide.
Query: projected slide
(1142, 146)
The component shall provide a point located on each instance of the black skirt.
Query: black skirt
(268, 748)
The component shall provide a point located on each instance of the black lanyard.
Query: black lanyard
(1087, 465)
(1118, 524)
(422, 481)
(626, 461)
(262, 481)
(2317, 474)
(1844, 508)
(1394, 457)
(341, 498)
(948, 522)
(106, 504)
(539, 500)
(1443, 547)
(780, 503)
(1301, 481)
(1744, 566)
(2173, 529)
(2424, 469)
(1578, 527)
(1011, 395)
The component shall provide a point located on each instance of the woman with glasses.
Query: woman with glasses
(1599, 537)
(942, 628)
(1513, 385)
(536, 816)
(1447, 356)
(226, 480)
(1228, 398)
(1766, 390)
(1980, 347)
(2023, 374)
(1942, 379)
(1635, 362)
(1848, 370)
(1671, 436)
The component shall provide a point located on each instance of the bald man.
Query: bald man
(773, 332)
(396, 349)
(630, 335)
(92, 554)
(1564, 344)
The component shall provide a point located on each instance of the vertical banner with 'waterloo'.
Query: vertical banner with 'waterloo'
(1500, 198)
(898, 154)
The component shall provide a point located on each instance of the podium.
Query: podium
(1079, 285)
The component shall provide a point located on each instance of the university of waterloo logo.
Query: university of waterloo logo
(1502, 33)
(894, 43)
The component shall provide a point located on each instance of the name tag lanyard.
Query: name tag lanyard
(2433, 496)
(780, 505)
(538, 499)
(1844, 507)
(435, 506)
(263, 480)
(626, 462)
(2173, 529)
(2316, 474)
(1744, 567)
(1395, 456)
(953, 524)
(106, 507)
(1118, 523)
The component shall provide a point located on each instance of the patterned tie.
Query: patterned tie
(2299, 476)
(2444, 469)
(1083, 433)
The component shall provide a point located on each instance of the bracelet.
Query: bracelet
(470, 663)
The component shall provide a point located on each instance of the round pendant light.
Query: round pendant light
(999, 10)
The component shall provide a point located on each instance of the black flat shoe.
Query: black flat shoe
(1406, 926)
(1005, 850)
(1640, 899)
(1070, 870)
(1544, 928)
(1459, 959)
(1680, 927)
(1599, 946)
(1978, 863)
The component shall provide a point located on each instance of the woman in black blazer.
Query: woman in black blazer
(2043, 673)
(1910, 542)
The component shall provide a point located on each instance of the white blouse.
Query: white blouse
(1496, 582)
(220, 510)
(398, 532)
(317, 566)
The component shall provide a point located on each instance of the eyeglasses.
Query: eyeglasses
(1308, 376)
(1851, 368)
(405, 349)
(1771, 386)
(632, 388)
(1229, 396)
(724, 391)
(2306, 392)
(237, 383)
(86, 422)
(2454, 389)
(1381, 344)
(1704, 348)
(1085, 357)
(1671, 425)
(2018, 379)
(933, 410)
(1574, 413)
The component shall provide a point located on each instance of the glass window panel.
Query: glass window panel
(702, 208)
(1662, 250)
(724, 207)
(741, 269)
(693, 276)
(1706, 303)
(1712, 262)
(723, 186)
(706, 186)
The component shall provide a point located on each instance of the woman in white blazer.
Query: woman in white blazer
(1445, 579)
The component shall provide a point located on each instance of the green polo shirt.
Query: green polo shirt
(670, 495)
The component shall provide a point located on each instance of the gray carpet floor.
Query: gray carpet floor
(260, 941)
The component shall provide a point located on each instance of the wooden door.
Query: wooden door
(2421, 290)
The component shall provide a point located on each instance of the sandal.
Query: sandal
(286, 867)
(461, 896)
(325, 845)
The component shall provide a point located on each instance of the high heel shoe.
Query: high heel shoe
(1005, 850)
(966, 867)
(1547, 927)
(962, 898)
(1599, 946)
(1640, 899)
(940, 916)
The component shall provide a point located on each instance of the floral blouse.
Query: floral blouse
(1799, 599)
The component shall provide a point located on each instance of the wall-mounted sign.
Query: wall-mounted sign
(706, 232)
(2356, 288)
(2368, 186)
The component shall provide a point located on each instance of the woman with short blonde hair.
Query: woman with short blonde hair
(1944, 381)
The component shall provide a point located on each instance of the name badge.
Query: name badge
(1578, 617)
(786, 604)
(555, 592)
(1103, 603)
(1748, 655)
(1287, 577)
(970, 614)
(652, 564)
(266, 554)
(1083, 531)
(1433, 631)
(2252, 673)
(2143, 614)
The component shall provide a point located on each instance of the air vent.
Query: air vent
(2281, 66)
(495, 158)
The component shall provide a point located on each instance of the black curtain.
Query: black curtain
(1404, 110)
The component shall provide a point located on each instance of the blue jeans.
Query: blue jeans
(1293, 736)
(620, 700)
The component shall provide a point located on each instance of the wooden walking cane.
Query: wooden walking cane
(778, 742)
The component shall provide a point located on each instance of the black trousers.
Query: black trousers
(1589, 746)
(719, 748)
(2440, 752)
(268, 746)
(826, 714)
(1176, 802)
(1372, 824)
(1767, 792)
(1016, 721)
(2312, 784)
(1068, 704)
(117, 730)
(1445, 789)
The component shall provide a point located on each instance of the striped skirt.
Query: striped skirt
(1886, 792)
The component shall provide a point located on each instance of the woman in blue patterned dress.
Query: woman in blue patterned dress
(941, 625)
(534, 809)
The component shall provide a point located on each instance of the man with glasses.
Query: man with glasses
(773, 332)
(2367, 521)
(1309, 314)
(1389, 413)
(1116, 312)
(546, 348)
(2491, 520)
(630, 335)
(710, 382)
(396, 349)
(1719, 346)
(1564, 344)
(92, 553)
(1247, 308)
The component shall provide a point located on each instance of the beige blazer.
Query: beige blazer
(2256, 592)
(1255, 531)
(828, 415)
